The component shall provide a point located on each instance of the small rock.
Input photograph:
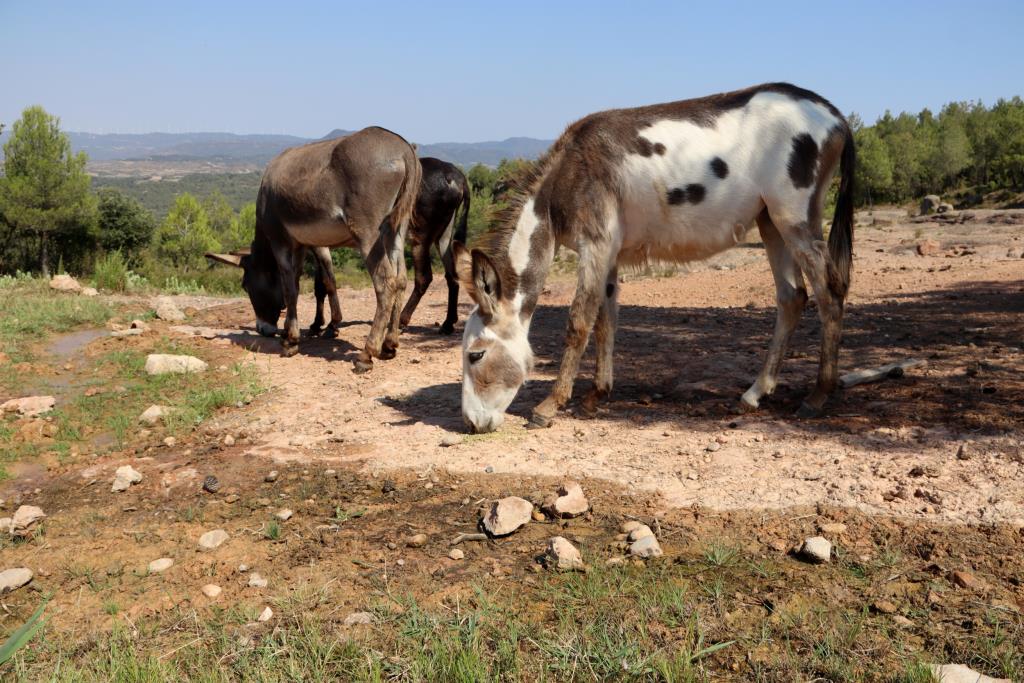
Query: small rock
(638, 532)
(157, 566)
(833, 529)
(570, 501)
(416, 541)
(507, 515)
(170, 442)
(139, 325)
(65, 283)
(213, 539)
(958, 673)
(930, 204)
(265, 615)
(231, 498)
(816, 549)
(538, 516)
(284, 514)
(257, 581)
(30, 406)
(166, 309)
(358, 618)
(13, 579)
(884, 607)
(713, 446)
(628, 526)
(243, 568)
(561, 554)
(615, 561)
(229, 440)
(211, 590)
(89, 291)
(456, 554)
(154, 414)
(928, 248)
(489, 470)
(25, 517)
(968, 581)
(271, 477)
(210, 484)
(166, 363)
(117, 334)
(646, 546)
(902, 620)
(124, 477)
(450, 439)
(963, 452)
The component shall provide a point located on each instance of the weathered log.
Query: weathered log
(890, 371)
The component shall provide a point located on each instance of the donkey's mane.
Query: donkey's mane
(522, 186)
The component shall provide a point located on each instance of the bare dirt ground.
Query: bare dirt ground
(687, 346)
(362, 467)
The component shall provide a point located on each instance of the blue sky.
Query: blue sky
(462, 71)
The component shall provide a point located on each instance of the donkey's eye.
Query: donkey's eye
(474, 356)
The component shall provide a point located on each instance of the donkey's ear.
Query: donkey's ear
(463, 264)
(230, 259)
(486, 290)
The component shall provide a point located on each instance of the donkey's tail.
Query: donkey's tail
(840, 237)
(461, 226)
(405, 205)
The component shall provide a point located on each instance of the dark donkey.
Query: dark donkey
(675, 182)
(357, 191)
(438, 220)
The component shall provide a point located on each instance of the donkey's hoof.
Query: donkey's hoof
(538, 422)
(746, 406)
(361, 367)
(330, 332)
(446, 329)
(289, 350)
(807, 411)
(387, 352)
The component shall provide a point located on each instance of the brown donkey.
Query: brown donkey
(356, 191)
(668, 182)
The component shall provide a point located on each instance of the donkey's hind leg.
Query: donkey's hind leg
(604, 342)
(790, 299)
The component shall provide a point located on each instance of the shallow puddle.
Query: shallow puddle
(69, 344)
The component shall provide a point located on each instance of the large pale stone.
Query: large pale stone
(65, 283)
(29, 406)
(13, 579)
(154, 414)
(166, 309)
(163, 564)
(646, 546)
(213, 539)
(25, 517)
(164, 363)
(507, 515)
(124, 477)
(817, 549)
(570, 501)
(561, 554)
(958, 673)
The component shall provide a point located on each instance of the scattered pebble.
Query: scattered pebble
(416, 541)
(166, 309)
(507, 515)
(968, 580)
(212, 539)
(884, 607)
(284, 514)
(358, 618)
(154, 414)
(450, 439)
(124, 477)
(211, 590)
(157, 566)
(229, 440)
(646, 546)
(816, 550)
(24, 519)
(833, 529)
(561, 554)
(569, 502)
(170, 442)
(265, 615)
(13, 579)
(958, 673)
(456, 554)
(231, 498)
(257, 581)
(271, 476)
(243, 568)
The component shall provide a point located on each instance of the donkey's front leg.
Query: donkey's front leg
(593, 270)
(290, 263)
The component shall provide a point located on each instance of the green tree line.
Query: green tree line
(968, 148)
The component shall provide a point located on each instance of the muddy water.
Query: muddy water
(69, 344)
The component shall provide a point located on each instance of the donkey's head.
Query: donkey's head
(496, 355)
(261, 282)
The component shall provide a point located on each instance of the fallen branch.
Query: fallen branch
(469, 537)
(890, 371)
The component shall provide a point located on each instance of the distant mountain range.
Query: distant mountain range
(259, 149)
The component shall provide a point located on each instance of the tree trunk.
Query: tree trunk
(44, 257)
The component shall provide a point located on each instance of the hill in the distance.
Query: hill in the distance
(230, 148)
